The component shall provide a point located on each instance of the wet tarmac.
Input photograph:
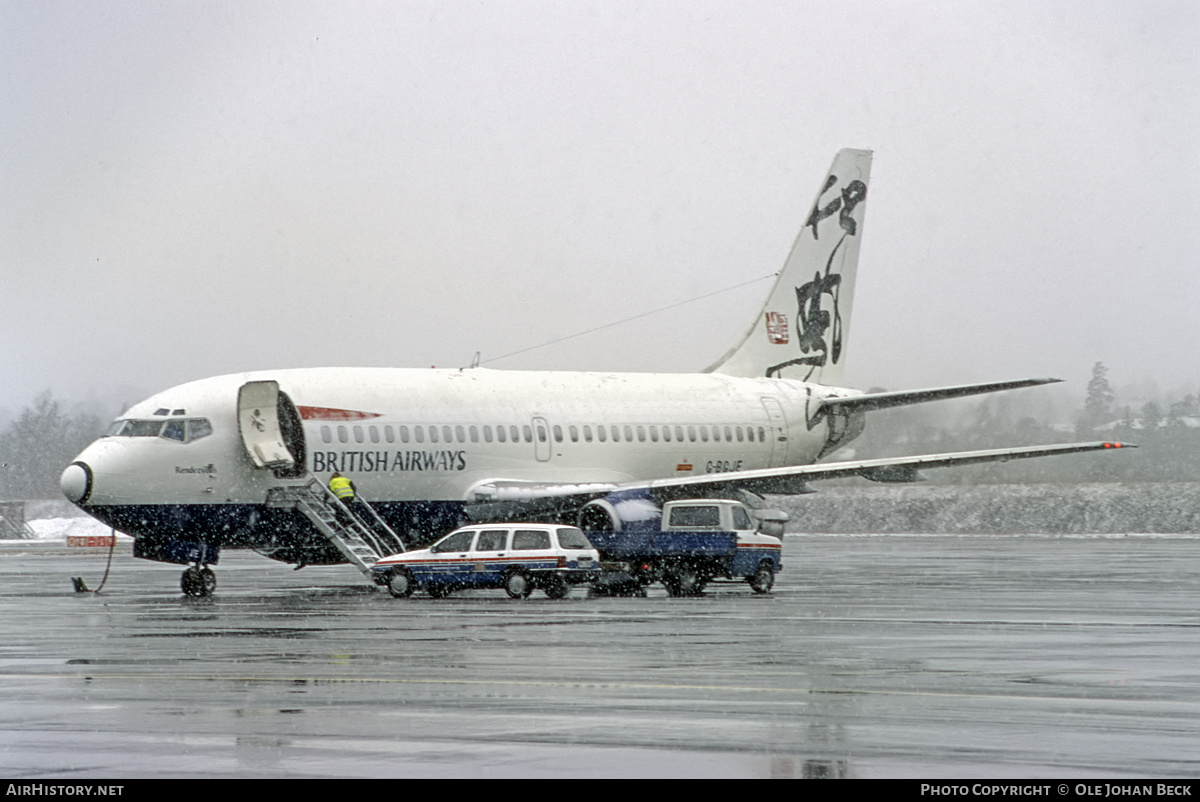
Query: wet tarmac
(885, 656)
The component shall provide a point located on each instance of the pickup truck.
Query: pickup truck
(692, 543)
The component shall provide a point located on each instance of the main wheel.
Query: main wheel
(439, 591)
(763, 579)
(400, 583)
(517, 585)
(198, 581)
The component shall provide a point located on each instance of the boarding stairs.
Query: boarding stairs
(361, 542)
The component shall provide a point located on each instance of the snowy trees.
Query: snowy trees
(1097, 407)
(36, 447)
(1166, 430)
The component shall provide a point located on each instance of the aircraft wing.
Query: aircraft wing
(790, 479)
(868, 401)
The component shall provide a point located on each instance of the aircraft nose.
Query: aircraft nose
(76, 482)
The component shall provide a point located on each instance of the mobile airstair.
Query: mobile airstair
(361, 542)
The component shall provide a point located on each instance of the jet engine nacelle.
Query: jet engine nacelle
(621, 512)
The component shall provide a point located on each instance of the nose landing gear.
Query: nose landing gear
(198, 581)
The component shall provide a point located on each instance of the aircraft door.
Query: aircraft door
(541, 439)
(270, 427)
(778, 430)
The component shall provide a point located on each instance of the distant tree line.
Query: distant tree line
(1167, 434)
(38, 444)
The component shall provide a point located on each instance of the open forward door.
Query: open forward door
(262, 410)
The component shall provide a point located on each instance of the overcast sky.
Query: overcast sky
(192, 189)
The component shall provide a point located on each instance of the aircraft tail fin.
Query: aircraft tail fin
(801, 331)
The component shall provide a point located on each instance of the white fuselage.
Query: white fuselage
(411, 435)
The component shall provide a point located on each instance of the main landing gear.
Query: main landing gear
(198, 581)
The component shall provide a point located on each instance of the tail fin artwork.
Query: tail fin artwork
(801, 331)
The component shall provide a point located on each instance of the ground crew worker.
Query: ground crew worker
(342, 487)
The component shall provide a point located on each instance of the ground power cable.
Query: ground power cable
(81, 586)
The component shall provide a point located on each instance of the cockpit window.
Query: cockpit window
(142, 428)
(182, 430)
(174, 430)
(198, 427)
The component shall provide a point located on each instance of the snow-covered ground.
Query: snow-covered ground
(59, 529)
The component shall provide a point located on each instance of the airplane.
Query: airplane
(216, 464)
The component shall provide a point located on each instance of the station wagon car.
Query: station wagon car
(515, 557)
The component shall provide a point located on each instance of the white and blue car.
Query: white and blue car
(516, 557)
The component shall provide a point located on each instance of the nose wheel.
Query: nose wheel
(197, 581)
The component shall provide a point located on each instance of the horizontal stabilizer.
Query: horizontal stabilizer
(900, 398)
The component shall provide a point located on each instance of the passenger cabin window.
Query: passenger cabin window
(492, 540)
(530, 539)
(459, 541)
(571, 538)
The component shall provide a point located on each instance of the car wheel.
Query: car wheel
(763, 579)
(557, 588)
(517, 585)
(400, 583)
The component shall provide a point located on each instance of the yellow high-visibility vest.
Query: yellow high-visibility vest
(341, 488)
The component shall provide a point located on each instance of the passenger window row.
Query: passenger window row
(628, 433)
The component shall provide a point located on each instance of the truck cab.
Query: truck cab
(693, 542)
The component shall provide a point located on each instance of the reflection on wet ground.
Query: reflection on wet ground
(898, 656)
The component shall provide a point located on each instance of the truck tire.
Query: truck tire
(557, 588)
(684, 580)
(763, 579)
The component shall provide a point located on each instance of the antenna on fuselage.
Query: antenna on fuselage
(631, 318)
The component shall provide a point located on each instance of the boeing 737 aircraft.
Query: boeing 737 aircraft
(240, 461)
